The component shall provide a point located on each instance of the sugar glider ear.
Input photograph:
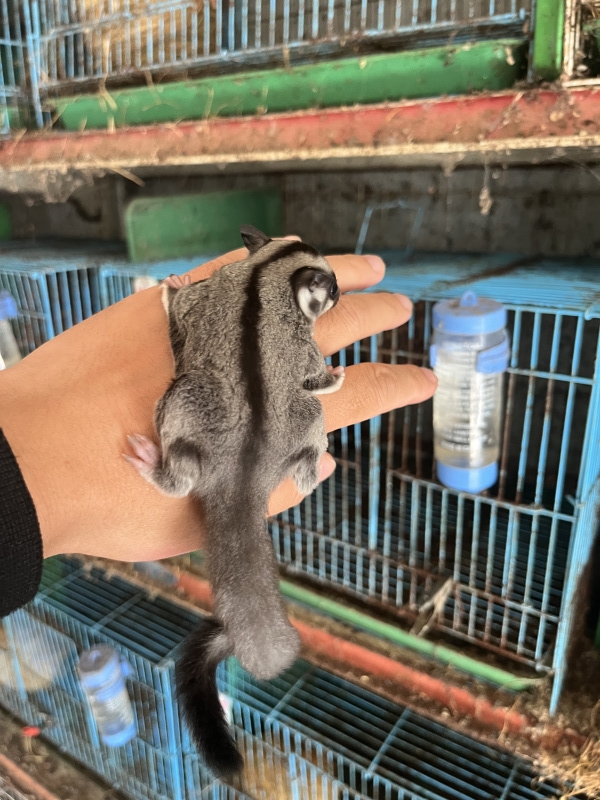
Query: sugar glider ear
(253, 238)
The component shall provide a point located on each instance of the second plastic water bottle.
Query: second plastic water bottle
(102, 673)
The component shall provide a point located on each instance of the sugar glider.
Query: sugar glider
(240, 416)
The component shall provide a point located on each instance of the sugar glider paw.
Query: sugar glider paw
(147, 454)
(177, 281)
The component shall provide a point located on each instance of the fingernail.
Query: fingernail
(429, 374)
(377, 264)
(293, 238)
(405, 302)
(326, 468)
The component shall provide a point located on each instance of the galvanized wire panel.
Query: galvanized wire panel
(308, 735)
(108, 39)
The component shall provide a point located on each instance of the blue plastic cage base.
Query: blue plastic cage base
(307, 735)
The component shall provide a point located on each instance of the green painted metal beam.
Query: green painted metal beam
(410, 74)
(549, 24)
(395, 634)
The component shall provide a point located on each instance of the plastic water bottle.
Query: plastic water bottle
(102, 673)
(469, 355)
(9, 349)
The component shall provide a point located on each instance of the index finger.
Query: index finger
(356, 272)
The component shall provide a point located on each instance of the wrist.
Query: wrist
(16, 421)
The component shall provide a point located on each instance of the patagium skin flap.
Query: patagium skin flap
(240, 416)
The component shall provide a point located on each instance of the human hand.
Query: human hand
(67, 409)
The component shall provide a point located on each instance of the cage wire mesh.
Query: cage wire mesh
(10, 792)
(55, 286)
(17, 86)
(112, 40)
(308, 735)
(581, 45)
(118, 281)
(510, 560)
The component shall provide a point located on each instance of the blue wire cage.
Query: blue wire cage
(12, 64)
(58, 284)
(54, 285)
(383, 529)
(308, 735)
(118, 281)
(108, 40)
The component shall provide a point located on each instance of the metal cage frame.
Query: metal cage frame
(19, 89)
(117, 280)
(572, 45)
(384, 531)
(55, 287)
(114, 40)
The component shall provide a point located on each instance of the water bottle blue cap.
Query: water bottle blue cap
(120, 737)
(469, 315)
(98, 665)
(467, 480)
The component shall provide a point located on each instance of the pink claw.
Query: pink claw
(337, 370)
(146, 452)
(177, 281)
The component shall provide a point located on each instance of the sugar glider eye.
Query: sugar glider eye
(333, 289)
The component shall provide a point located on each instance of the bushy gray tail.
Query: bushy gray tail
(196, 680)
(250, 621)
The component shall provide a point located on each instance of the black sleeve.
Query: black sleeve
(21, 554)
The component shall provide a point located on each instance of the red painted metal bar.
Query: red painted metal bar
(507, 121)
(24, 781)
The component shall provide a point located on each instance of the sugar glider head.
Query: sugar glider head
(313, 282)
(315, 290)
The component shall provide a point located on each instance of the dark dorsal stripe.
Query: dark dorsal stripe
(290, 247)
(251, 362)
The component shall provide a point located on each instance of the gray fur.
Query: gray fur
(240, 416)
